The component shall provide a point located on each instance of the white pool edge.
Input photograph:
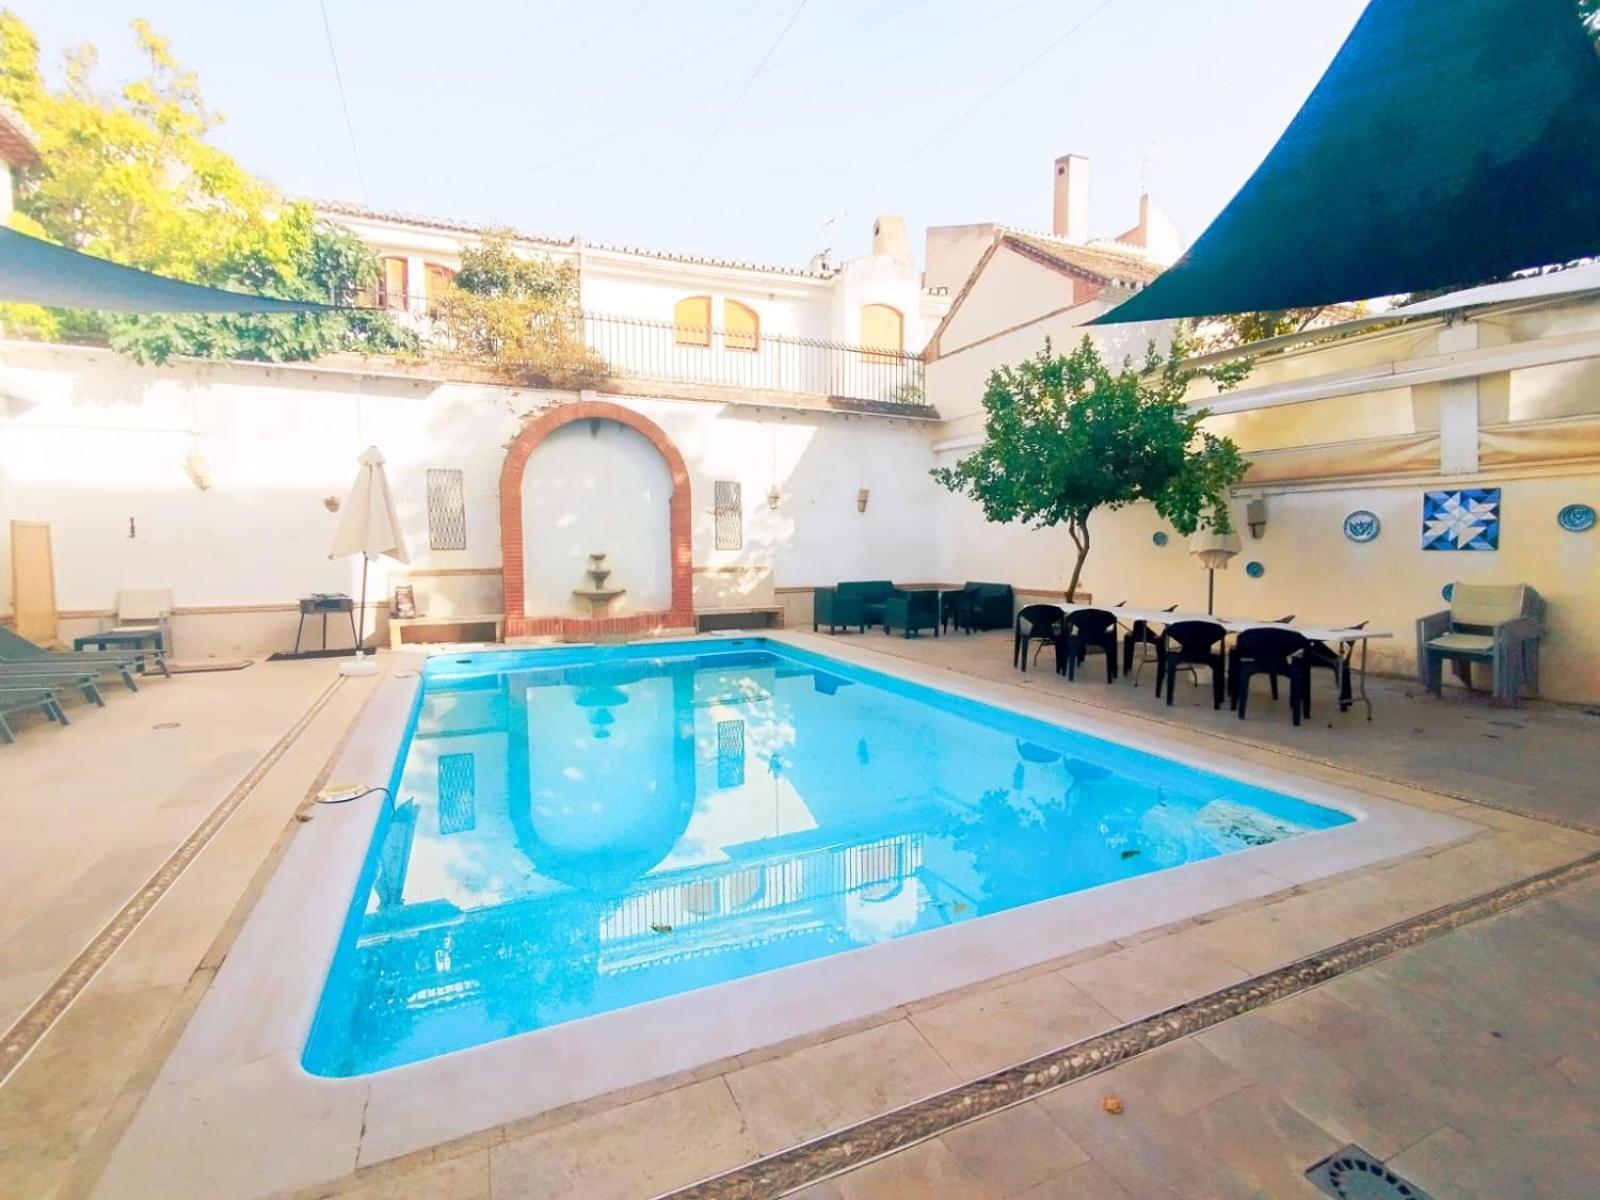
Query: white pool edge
(232, 1097)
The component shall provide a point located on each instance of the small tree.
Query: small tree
(1064, 435)
(519, 317)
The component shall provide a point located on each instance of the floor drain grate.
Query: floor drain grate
(1353, 1174)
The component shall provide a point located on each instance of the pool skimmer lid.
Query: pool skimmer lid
(1353, 1174)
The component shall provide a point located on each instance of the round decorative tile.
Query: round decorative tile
(1159, 537)
(1361, 525)
(1254, 569)
(1576, 518)
(1447, 591)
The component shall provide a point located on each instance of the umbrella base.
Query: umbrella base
(359, 666)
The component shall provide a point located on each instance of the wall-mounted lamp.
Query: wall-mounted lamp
(1255, 516)
(861, 500)
(199, 471)
(773, 496)
(331, 503)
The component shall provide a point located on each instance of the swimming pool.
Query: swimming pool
(580, 830)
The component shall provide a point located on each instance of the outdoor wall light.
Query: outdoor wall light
(199, 471)
(861, 500)
(773, 496)
(1255, 516)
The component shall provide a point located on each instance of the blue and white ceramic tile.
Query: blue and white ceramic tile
(1254, 569)
(1468, 519)
(1159, 537)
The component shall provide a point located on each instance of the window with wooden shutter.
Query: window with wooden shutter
(392, 283)
(882, 329)
(691, 321)
(741, 328)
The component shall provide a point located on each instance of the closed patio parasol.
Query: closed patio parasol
(1213, 549)
(368, 527)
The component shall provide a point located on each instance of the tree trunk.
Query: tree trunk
(1080, 538)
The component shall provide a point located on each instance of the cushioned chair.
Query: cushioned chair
(1084, 630)
(1494, 623)
(1192, 643)
(1035, 623)
(1274, 653)
(977, 606)
(830, 608)
(911, 612)
(873, 592)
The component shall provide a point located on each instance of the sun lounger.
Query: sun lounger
(48, 675)
(27, 699)
(16, 650)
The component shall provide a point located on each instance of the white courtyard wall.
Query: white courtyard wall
(102, 441)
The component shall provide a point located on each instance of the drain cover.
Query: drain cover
(1353, 1174)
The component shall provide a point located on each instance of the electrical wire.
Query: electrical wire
(338, 79)
(761, 66)
(1044, 53)
(362, 795)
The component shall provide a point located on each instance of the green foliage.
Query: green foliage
(1240, 329)
(518, 316)
(130, 177)
(1065, 435)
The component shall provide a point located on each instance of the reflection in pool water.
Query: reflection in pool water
(580, 831)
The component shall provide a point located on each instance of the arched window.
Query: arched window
(741, 328)
(392, 283)
(691, 321)
(436, 277)
(882, 329)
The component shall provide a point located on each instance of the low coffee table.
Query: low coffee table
(122, 639)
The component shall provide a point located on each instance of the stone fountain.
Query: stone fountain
(597, 593)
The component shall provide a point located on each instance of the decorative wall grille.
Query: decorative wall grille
(730, 752)
(730, 515)
(458, 793)
(447, 509)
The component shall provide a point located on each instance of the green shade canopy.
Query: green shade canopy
(37, 272)
(1447, 144)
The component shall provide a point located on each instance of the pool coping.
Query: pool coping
(234, 1085)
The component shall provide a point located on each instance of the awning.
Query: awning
(1446, 144)
(37, 272)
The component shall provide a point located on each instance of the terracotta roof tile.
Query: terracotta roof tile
(1097, 262)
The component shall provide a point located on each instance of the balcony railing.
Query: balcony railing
(749, 360)
(744, 360)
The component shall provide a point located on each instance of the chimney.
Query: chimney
(889, 239)
(1071, 217)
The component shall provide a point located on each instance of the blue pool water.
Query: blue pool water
(579, 830)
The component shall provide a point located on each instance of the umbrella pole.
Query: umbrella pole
(360, 664)
(1211, 591)
(361, 613)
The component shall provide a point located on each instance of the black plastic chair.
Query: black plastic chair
(1140, 636)
(1085, 630)
(1320, 654)
(1035, 623)
(1274, 653)
(1192, 644)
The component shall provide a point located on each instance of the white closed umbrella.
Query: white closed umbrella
(369, 527)
(1214, 550)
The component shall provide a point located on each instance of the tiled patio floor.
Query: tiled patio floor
(1471, 1065)
(1539, 759)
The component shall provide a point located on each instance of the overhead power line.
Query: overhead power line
(761, 66)
(338, 79)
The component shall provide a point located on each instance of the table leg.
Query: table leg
(299, 629)
(324, 629)
(1361, 679)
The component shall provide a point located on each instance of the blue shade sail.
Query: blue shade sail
(1447, 144)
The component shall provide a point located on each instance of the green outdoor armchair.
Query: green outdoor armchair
(975, 606)
(873, 593)
(833, 608)
(911, 612)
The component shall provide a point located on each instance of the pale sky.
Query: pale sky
(655, 124)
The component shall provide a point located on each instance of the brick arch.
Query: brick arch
(519, 622)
